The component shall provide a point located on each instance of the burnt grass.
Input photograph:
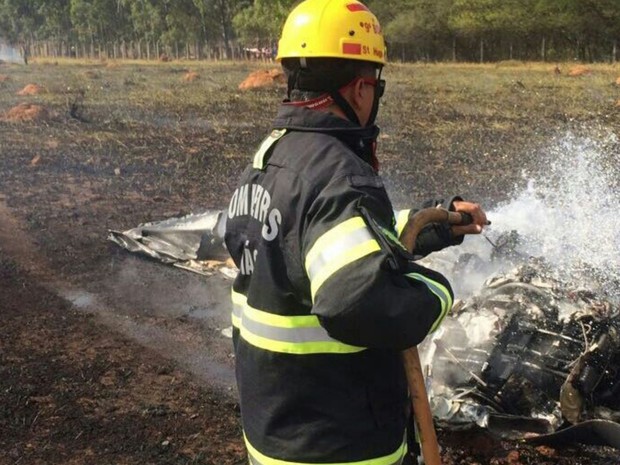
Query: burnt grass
(144, 145)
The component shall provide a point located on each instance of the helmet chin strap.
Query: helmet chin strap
(345, 106)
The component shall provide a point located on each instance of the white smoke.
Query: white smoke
(9, 53)
(566, 215)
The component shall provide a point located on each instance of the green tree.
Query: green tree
(217, 16)
(183, 25)
(20, 20)
(424, 25)
(261, 22)
(98, 22)
(148, 23)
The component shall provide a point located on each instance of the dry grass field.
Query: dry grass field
(109, 145)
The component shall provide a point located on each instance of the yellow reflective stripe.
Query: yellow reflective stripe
(343, 244)
(297, 348)
(259, 157)
(395, 458)
(323, 242)
(302, 334)
(270, 319)
(344, 259)
(402, 217)
(238, 301)
(442, 294)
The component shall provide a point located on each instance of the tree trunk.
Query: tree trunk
(224, 19)
(543, 49)
(454, 49)
(510, 51)
(614, 52)
(481, 50)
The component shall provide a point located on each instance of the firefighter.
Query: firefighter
(326, 297)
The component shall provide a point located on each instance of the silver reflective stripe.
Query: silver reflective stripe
(336, 248)
(317, 334)
(237, 312)
(292, 334)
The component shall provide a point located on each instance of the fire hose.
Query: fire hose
(411, 359)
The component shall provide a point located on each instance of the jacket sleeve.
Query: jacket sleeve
(433, 237)
(366, 289)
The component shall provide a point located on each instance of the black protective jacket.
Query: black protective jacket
(326, 297)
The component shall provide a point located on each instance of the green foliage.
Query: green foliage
(262, 21)
(20, 19)
(98, 20)
(420, 20)
(182, 23)
(429, 29)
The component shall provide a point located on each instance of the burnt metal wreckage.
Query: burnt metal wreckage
(529, 353)
(528, 356)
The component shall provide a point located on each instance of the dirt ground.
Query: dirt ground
(111, 359)
(74, 392)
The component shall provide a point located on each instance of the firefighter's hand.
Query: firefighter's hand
(479, 218)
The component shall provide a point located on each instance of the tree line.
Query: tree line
(430, 30)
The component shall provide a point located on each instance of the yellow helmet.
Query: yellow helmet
(332, 29)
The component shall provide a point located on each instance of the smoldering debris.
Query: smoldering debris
(528, 353)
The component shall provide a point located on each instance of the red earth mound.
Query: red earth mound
(579, 70)
(263, 78)
(191, 76)
(618, 81)
(32, 89)
(27, 112)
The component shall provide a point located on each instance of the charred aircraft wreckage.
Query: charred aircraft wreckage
(527, 355)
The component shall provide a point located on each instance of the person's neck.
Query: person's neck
(335, 110)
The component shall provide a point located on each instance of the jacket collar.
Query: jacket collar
(361, 140)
